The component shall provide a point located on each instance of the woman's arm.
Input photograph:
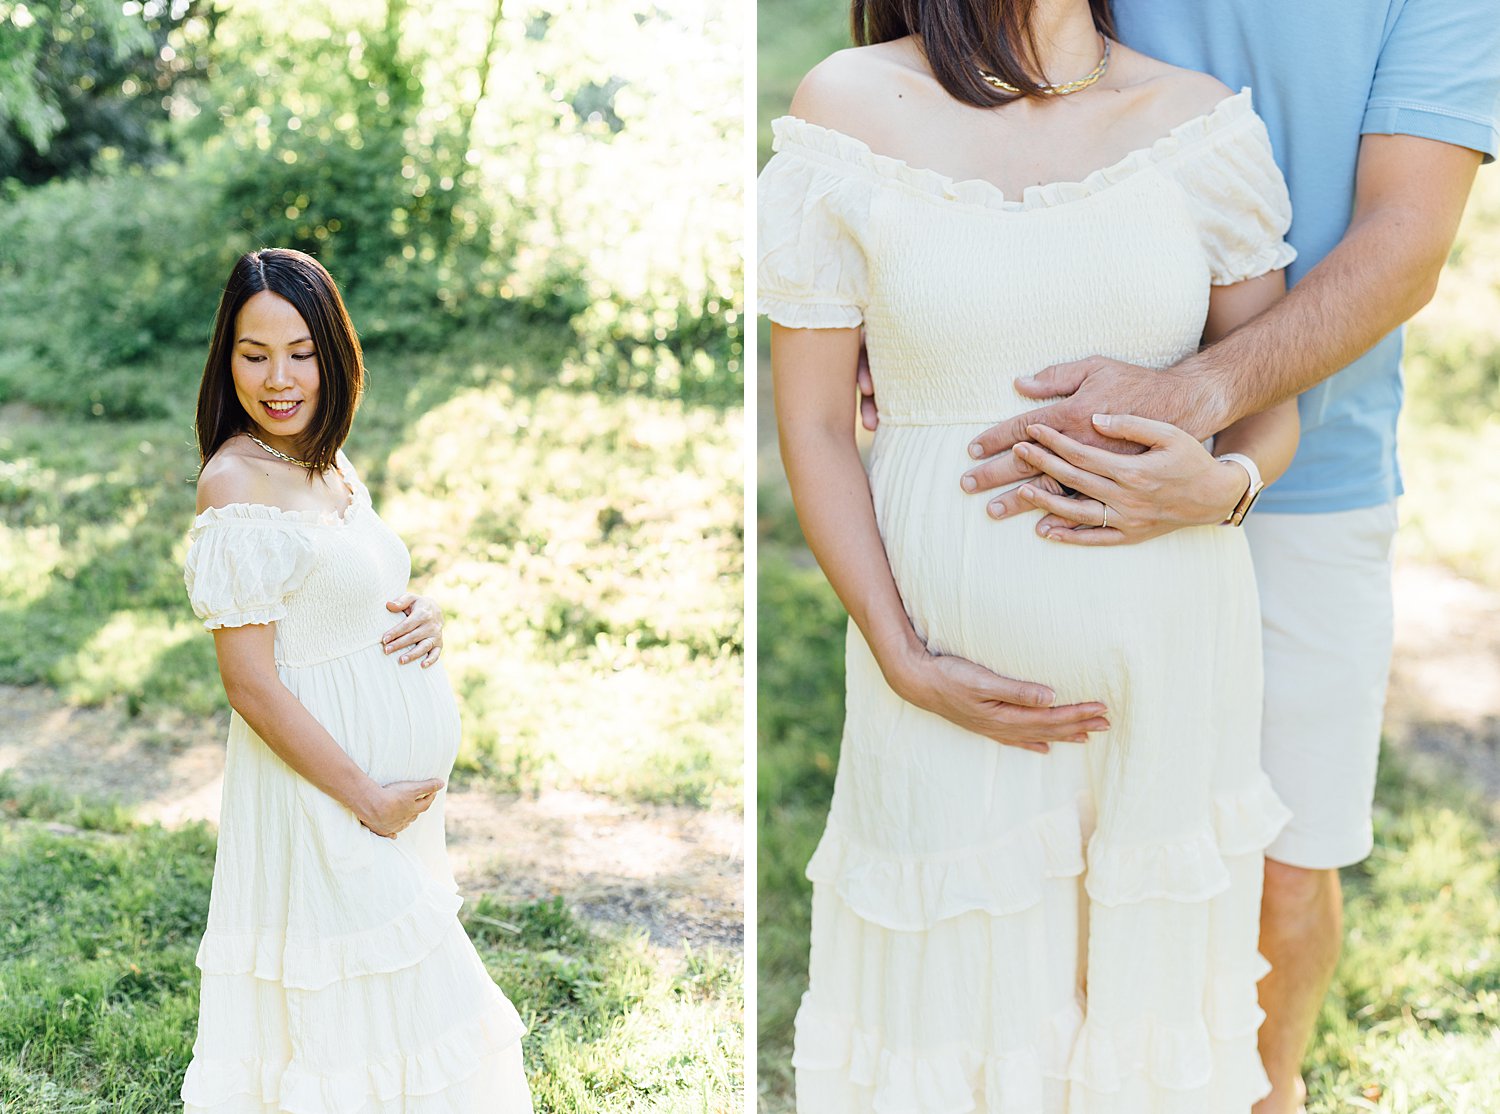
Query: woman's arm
(812, 371)
(248, 670)
(1176, 482)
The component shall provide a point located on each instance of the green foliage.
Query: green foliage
(107, 341)
(794, 36)
(1452, 361)
(80, 77)
(1450, 433)
(450, 167)
(99, 994)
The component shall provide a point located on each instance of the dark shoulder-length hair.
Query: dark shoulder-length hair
(961, 37)
(304, 282)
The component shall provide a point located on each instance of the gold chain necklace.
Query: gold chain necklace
(278, 452)
(1055, 90)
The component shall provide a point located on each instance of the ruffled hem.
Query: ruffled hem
(912, 893)
(1231, 1005)
(828, 144)
(430, 1070)
(1273, 257)
(264, 512)
(936, 1080)
(1246, 822)
(311, 963)
(272, 614)
(808, 315)
(1097, 1063)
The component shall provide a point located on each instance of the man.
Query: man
(1380, 111)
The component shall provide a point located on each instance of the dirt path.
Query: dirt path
(675, 872)
(1443, 708)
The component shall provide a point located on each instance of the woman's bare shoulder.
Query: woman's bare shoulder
(1166, 95)
(857, 90)
(231, 476)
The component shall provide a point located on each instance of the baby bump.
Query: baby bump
(398, 722)
(1072, 617)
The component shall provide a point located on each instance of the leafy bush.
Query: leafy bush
(555, 172)
(96, 278)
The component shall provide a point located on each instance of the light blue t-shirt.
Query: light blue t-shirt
(1324, 72)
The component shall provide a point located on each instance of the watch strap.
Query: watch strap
(1247, 500)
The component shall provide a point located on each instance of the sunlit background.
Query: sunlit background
(534, 211)
(1413, 1022)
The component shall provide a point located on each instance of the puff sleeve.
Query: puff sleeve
(1237, 193)
(242, 565)
(811, 271)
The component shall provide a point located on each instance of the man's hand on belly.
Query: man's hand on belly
(1096, 385)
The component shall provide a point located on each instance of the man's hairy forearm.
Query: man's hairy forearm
(1380, 274)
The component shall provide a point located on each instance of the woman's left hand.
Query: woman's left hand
(1176, 482)
(420, 633)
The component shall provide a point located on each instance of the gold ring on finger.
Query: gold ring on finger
(1105, 523)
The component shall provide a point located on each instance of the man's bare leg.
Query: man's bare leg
(1301, 933)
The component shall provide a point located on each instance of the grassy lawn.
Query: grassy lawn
(99, 995)
(1412, 1025)
(587, 548)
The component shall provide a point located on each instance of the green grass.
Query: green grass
(98, 997)
(587, 548)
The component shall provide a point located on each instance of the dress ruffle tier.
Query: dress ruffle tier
(991, 901)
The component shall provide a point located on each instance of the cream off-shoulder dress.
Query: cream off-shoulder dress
(336, 977)
(993, 929)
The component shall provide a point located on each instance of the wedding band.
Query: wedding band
(1105, 523)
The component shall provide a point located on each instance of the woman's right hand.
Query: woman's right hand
(1014, 713)
(393, 806)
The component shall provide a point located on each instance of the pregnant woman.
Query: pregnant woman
(336, 977)
(1039, 885)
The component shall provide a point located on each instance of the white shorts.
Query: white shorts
(1327, 618)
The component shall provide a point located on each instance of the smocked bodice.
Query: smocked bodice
(961, 289)
(322, 579)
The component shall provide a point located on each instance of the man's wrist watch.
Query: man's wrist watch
(1252, 493)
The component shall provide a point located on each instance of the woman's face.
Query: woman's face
(275, 366)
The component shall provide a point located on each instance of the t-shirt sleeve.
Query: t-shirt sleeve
(240, 571)
(1238, 195)
(811, 271)
(1438, 75)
